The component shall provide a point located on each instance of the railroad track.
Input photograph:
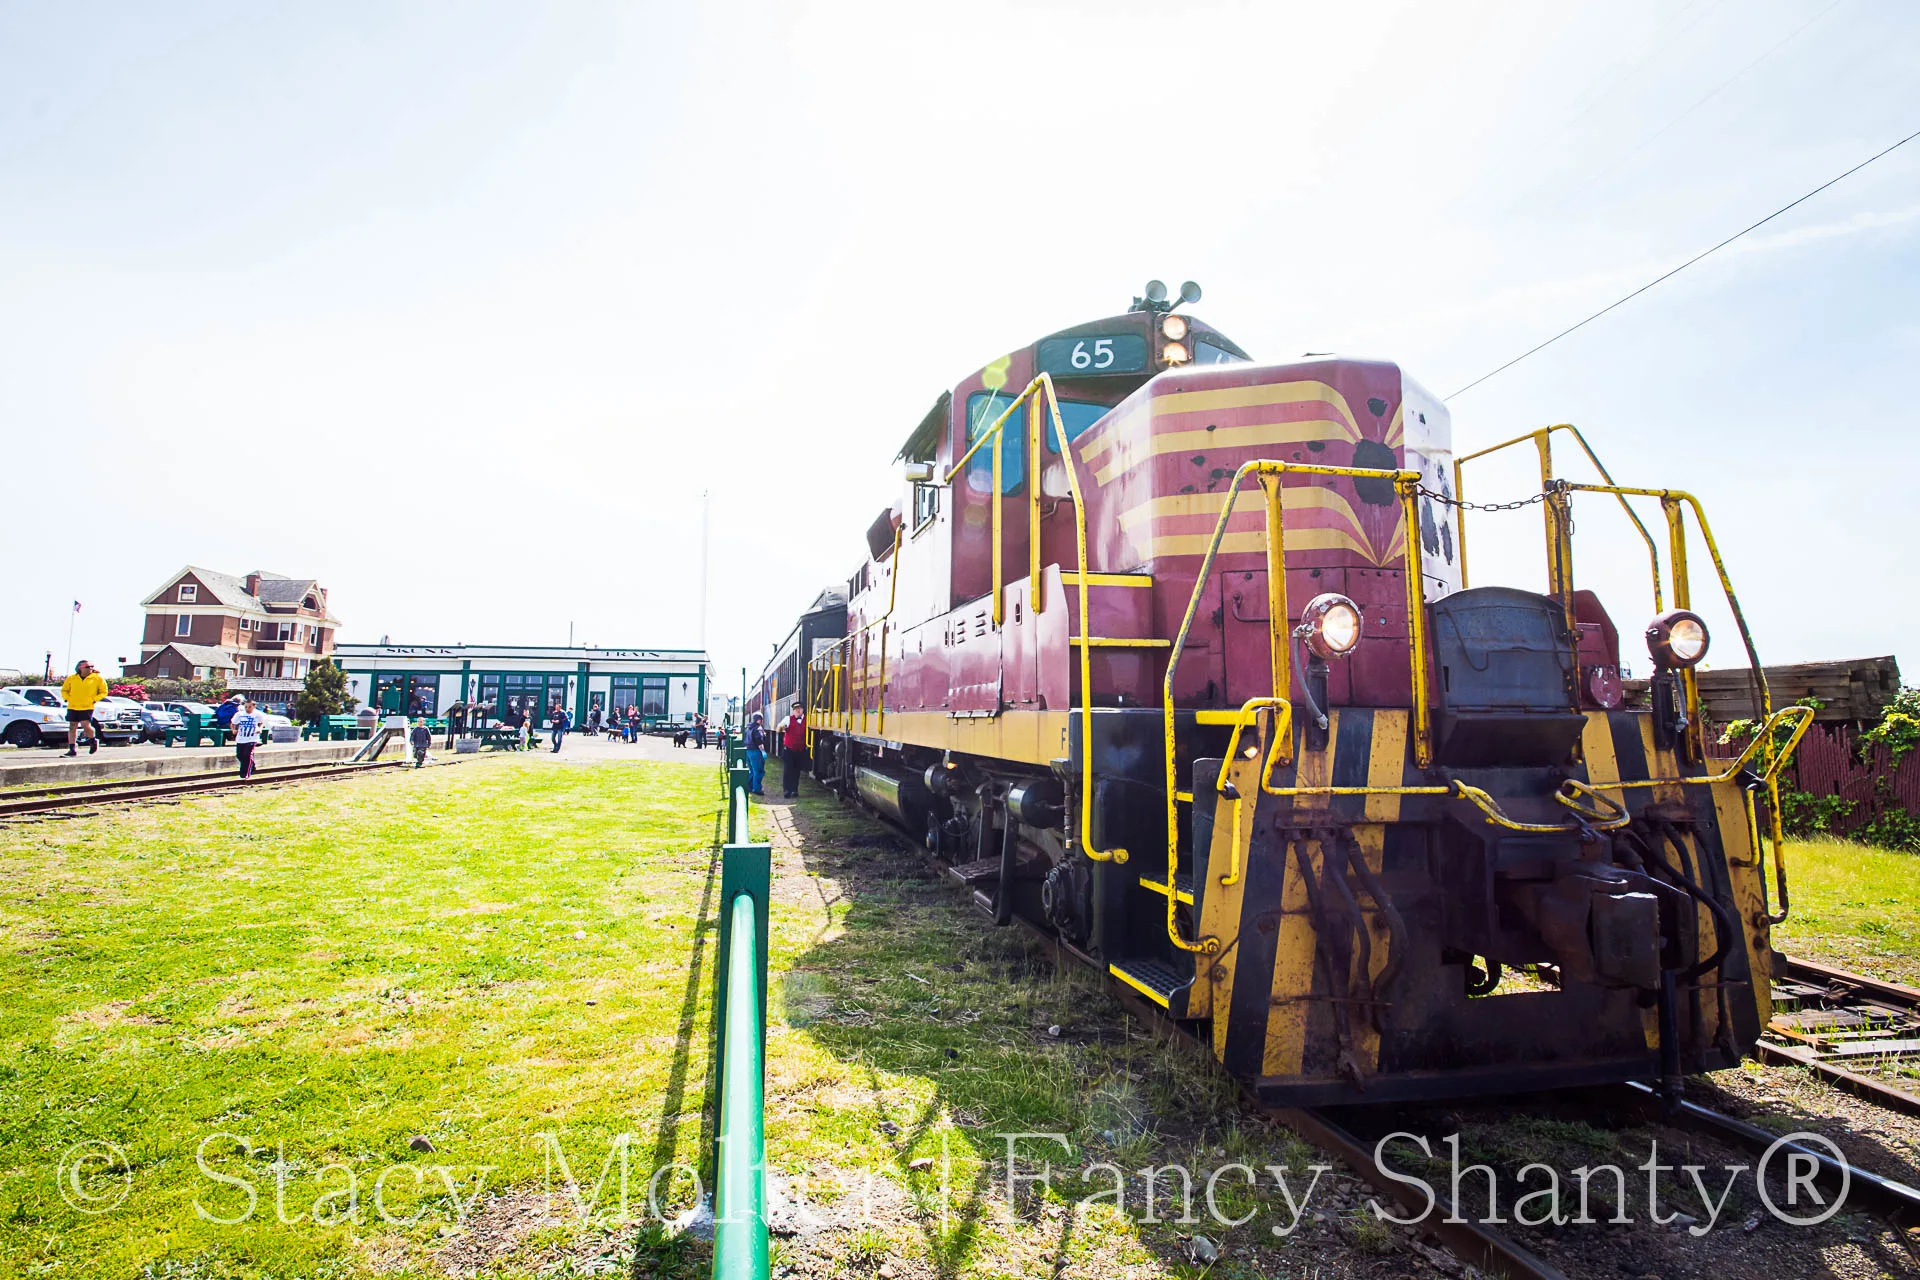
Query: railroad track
(82, 795)
(1885, 1010)
(1830, 1022)
(1866, 1006)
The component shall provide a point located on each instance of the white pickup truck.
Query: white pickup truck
(116, 719)
(28, 724)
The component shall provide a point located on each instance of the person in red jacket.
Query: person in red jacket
(793, 749)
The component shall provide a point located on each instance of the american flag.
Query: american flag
(76, 606)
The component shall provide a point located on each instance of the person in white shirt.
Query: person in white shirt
(246, 727)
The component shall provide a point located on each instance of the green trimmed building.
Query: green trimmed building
(426, 679)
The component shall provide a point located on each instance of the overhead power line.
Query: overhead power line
(1683, 266)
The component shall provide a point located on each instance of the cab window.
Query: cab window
(985, 406)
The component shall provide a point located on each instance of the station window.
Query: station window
(653, 695)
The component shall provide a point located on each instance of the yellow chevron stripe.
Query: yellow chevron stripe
(1247, 397)
(1195, 544)
(1253, 435)
(1292, 498)
(1397, 429)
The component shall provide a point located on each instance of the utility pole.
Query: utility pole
(705, 526)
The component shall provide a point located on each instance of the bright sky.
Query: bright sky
(459, 308)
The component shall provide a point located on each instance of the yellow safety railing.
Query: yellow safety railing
(1559, 528)
(1037, 393)
(1271, 476)
(830, 662)
(1673, 502)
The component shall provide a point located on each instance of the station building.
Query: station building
(426, 679)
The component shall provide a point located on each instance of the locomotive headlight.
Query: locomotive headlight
(1174, 353)
(1174, 327)
(1677, 639)
(1330, 624)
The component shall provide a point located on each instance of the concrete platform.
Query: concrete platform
(42, 767)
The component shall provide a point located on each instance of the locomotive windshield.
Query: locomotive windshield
(984, 406)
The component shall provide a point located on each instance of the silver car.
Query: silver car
(156, 720)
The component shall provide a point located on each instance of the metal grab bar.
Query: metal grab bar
(1283, 728)
(1271, 476)
(1041, 388)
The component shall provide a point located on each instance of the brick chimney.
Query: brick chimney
(253, 583)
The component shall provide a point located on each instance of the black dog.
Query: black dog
(680, 737)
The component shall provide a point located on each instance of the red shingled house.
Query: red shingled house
(262, 632)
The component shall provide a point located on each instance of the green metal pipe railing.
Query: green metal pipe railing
(740, 1206)
(740, 1250)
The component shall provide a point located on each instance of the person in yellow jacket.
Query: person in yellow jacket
(80, 691)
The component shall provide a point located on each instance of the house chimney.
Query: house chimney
(253, 583)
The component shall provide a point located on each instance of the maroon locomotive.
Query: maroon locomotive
(1171, 655)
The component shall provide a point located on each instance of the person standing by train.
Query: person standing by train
(757, 754)
(793, 749)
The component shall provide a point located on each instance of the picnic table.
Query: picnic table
(197, 727)
(504, 739)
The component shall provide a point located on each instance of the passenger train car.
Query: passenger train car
(1173, 655)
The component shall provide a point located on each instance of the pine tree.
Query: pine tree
(325, 693)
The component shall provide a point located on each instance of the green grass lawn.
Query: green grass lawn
(319, 975)
(277, 992)
(1853, 906)
(512, 959)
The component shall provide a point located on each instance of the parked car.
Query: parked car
(188, 708)
(156, 719)
(116, 719)
(24, 723)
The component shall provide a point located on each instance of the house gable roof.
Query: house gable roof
(199, 655)
(231, 591)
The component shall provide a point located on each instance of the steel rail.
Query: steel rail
(161, 790)
(1471, 1242)
(1895, 1201)
(113, 784)
(1868, 1088)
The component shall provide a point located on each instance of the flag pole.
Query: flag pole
(70, 621)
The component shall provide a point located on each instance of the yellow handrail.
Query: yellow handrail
(1671, 501)
(1043, 385)
(1406, 485)
(1282, 731)
(1542, 439)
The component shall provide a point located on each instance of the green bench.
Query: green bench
(198, 729)
(333, 729)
